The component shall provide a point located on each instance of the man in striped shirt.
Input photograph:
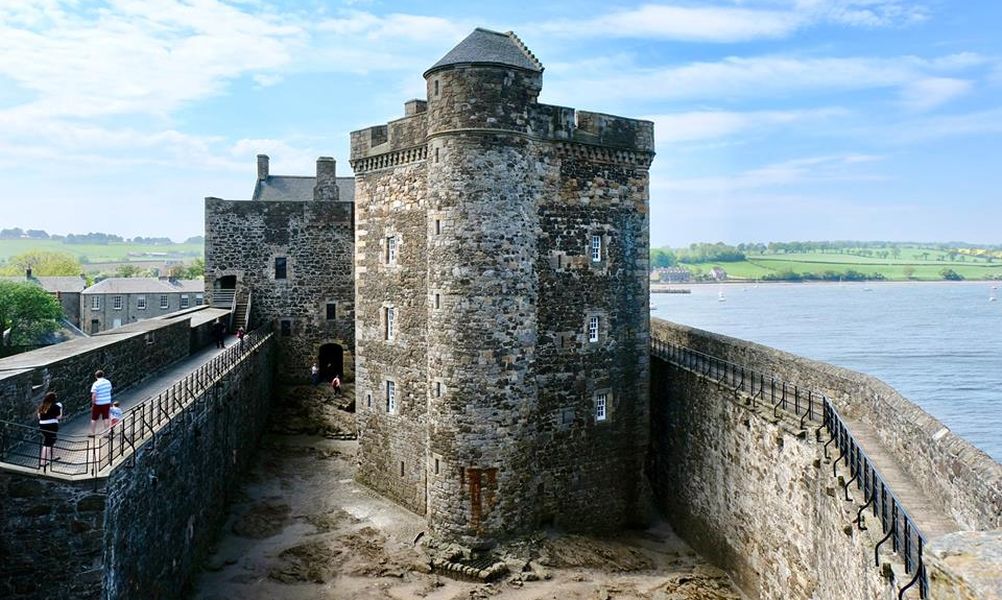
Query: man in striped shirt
(100, 397)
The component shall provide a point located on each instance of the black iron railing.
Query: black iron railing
(897, 525)
(78, 455)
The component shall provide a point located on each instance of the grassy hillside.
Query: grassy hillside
(112, 252)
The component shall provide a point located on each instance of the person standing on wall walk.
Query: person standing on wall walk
(100, 397)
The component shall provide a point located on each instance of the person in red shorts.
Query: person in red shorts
(100, 397)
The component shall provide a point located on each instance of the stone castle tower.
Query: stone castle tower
(287, 256)
(502, 330)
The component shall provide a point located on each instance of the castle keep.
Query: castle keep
(501, 301)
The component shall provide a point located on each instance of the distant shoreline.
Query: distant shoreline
(662, 287)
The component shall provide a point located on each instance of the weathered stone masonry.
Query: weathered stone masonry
(490, 202)
(307, 222)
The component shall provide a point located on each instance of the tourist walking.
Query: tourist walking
(100, 397)
(219, 333)
(336, 384)
(315, 374)
(240, 336)
(49, 413)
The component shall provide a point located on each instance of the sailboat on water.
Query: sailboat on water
(720, 297)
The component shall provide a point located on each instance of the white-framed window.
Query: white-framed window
(592, 329)
(601, 406)
(391, 397)
(141, 302)
(95, 303)
(184, 300)
(199, 298)
(391, 318)
(164, 301)
(391, 249)
(116, 302)
(596, 248)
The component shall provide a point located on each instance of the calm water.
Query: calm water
(939, 344)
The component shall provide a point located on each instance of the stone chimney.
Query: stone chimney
(413, 107)
(262, 167)
(326, 188)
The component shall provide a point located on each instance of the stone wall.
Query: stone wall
(164, 511)
(754, 496)
(53, 535)
(243, 239)
(127, 356)
(964, 482)
(141, 531)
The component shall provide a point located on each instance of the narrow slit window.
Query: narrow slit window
(368, 400)
(596, 248)
(601, 407)
(438, 300)
(391, 318)
(401, 468)
(438, 389)
(592, 329)
(436, 467)
(436, 154)
(436, 87)
(438, 226)
(281, 267)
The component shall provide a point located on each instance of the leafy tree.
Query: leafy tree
(27, 311)
(660, 257)
(196, 270)
(42, 262)
(951, 275)
(129, 271)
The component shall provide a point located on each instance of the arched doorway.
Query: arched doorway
(331, 361)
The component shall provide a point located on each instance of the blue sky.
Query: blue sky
(775, 119)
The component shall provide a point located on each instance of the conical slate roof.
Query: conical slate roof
(487, 47)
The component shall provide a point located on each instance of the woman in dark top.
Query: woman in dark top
(49, 413)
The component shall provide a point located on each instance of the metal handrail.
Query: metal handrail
(78, 455)
(907, 540)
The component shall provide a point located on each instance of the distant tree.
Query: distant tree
(908, 272)
(660, 258)
(27, 311)
(896, 252)
(195, 239)
(130, 271)
(43, 263)
(951, 275)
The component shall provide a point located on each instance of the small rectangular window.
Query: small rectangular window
(116, 303)
(596, 248)
(390, 322)
(438, 300)
(391, 250)
(140, 302)
(184, 300)
(164, 301)
(391, 397)
(592, 329)
(601, 401)
(95, 303)
(286, 328)
(331, 311)
(281, 267)
(199, 299)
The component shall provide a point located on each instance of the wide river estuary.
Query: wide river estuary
(939, 344)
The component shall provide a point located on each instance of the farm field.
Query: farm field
(97, 253)
(910, 263)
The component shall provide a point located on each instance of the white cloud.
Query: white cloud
(697, 126)
(727, 23)
(931, 92)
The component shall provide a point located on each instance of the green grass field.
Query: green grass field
(925, 265)
(112, 252)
